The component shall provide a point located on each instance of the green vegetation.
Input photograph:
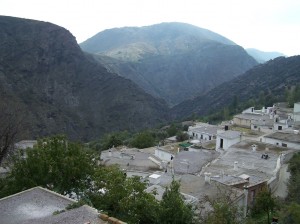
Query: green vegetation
(54, 163)
(264, 99)
(264, 206)
(173, 208)
(65, 167)
(292, 95)
(11, 122)
(142, 139)
(223, 210)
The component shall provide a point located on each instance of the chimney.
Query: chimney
(207, 177)
(235, 166)
(254, 147)
(226, 127)
(109, 153)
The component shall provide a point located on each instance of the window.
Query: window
(284, 145)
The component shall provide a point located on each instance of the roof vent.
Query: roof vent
(207, 177)
(235, 165)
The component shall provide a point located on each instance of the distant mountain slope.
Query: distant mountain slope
(62, 89)
(174, 61)
(262, 56)
(272, 78)
(164, 37)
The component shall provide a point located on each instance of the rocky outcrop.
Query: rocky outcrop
(65, 91)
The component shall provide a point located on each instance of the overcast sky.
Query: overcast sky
(268, 25)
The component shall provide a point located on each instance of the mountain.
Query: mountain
(61, 89)
(173, 61)
(271, 78)
(262, 56)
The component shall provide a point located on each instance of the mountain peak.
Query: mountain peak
(158, 34)
(174, 61)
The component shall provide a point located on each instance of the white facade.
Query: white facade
(24, 144)
(225, 139)
(251, 110)
(203, 132)
(163, 155)
(297, 112)
(278, 126)
(262, 128)
(282, 143)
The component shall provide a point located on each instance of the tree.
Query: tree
(54, 163)
(123, 197)
(10, 125)
(292, 95)
(294, 181)
(264, 202)
(291, 214)
(181, 136)
(173, 208)
(143, 140)
(234, 105)
(226, 114)
(172, 130)
(111, 140)
(223, 211)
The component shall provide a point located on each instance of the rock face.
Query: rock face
(271, 78)
(63, 90)
(173, 61)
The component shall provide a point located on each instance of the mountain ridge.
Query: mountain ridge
(263, 56)
(173, 61)
(64, 90)
(271, 78)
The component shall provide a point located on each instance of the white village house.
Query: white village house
(284, 139)
(227, 138)
(297, 112)
(203, 132)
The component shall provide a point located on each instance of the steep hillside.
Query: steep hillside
(63, 90)
(272, 78)
(262, 56)
(174, 61)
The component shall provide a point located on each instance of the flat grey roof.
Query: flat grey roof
(285, 136)
(249, 161)
(209, 129)
(230, 134)
(130, 159)
(192, 162)
(196, 187)
(247, 116)
(36, 206)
